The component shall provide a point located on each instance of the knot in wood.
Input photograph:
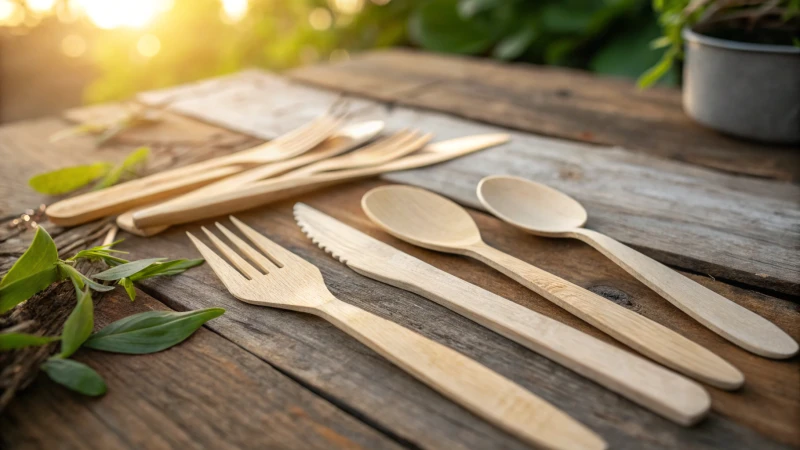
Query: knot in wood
(613, 294)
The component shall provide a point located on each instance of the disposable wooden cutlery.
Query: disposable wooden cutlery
(266, 191)
(434, 222)
(281, 279)
(398, 145)
(544, 211)
(163, 185)
(345, 139)
(636, 378)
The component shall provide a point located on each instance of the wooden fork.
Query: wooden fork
(283, 280)
(345, 139)
(271, 190)
(163, 185)
(388, 149)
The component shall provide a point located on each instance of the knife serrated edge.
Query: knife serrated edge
(644, 382)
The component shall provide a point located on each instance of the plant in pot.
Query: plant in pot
(741, 61)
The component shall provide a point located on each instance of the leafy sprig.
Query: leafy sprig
(68, 179)
(142, 333)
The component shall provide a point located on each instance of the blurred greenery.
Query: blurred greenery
(196, 43)
(768, 22)
(605, 36)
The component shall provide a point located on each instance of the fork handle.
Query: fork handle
(726, 318)
(470, 384)
(634, 330)
(116, 199)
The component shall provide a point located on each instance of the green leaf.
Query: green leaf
(628, 53)
(515, 45)
(167, 268)
(101, 252)
(128, 285)
(78, 326)
(80, 279)
(131, 163)
(660, 42)
(17, 292)
(436, 25)
(75, 376)
(40, 255)
(659, 70)
(68, 179)
(567, 18)
(469, 8)
(151, 331)
(126, 270)
(11, 341)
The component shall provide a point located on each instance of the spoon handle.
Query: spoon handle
(724, 317)
(638, 332)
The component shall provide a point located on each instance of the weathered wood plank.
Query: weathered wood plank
(26, 150)
(730, 227)
(340, 369)
(204, 393)
(327, 360)
(551, 101)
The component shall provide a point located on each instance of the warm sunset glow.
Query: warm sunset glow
(348, 6)
(320, 19)
(41, 6)
(234, 10)
(148, 45)
(112, 14)
(10, 13)
(73, 46)
(123, 13)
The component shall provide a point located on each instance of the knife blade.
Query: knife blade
(641, 381)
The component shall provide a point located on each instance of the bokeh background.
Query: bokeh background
(60, 53)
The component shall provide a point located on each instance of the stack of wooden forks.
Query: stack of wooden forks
(307, 158)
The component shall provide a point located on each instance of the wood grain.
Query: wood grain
(551, 101)
(680, 214)
(650, 385)
(434, 222)
(327, 360)
(26, 150)
(203, 393)
(751, 223)
(286, 281)
(543, 211)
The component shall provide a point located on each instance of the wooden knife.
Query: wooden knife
(646, 383)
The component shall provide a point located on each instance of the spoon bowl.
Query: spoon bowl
(531, 206)
(421, 217)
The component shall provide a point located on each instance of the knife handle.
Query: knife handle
(463, 380)
(641, 381)
(634, 330)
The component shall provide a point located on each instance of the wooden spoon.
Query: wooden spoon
(434, 222)
(544, 211)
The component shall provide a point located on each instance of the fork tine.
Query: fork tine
(253, 254)
(275, 252)
(421, 140)
(406, 139)
(249, 271)
(387, 142)
(302, 130)
(227, 274)
(310, 137)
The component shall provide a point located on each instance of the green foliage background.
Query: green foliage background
(606, 36)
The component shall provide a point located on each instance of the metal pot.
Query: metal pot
(743, 89)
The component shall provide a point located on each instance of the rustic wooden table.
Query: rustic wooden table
(722, 211)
